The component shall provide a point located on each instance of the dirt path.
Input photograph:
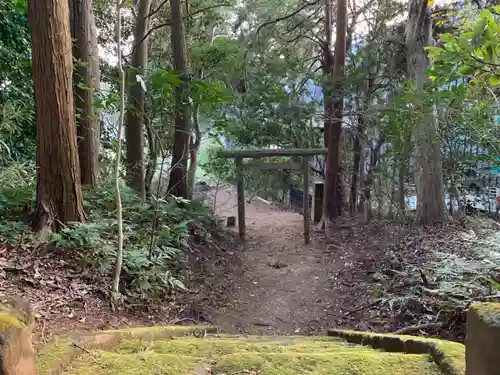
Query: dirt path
(283, 286)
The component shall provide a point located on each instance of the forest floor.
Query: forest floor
(380, 276)
(284, 286)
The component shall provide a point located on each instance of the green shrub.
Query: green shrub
(155, 256)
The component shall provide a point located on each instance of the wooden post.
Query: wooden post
(306, 211)
(241, 197)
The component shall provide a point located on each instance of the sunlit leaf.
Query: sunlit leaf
(494, 80)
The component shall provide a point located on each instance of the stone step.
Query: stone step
(200, 351)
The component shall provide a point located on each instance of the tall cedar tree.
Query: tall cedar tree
(332, 207)
(59, 193)
(134, 120)
(431, 207)
(178, 172)
(85, 81)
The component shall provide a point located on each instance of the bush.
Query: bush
(156, 243)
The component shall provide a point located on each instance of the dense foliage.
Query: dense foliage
(257, 78)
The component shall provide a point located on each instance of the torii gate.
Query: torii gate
(305, 154)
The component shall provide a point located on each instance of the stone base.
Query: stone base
(483, 339)
(17, 356)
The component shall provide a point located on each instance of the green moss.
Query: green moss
(211, 347)
(9, 321)
(338, 360)
(265, 355)
(488, 312)
(173, 350)
(449, 355)
(145, 363)
(327, 364)
(51, 354)
(174, 330)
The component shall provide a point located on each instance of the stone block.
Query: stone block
(17, 356)
(482, 344)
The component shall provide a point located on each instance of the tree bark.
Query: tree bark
(134, 134)
(357, 144)
(153, 156)
(194, 147)
(96, 84)
(401, 188)
(59, 194)
(177, 184)
(332, 206)
(84, 54)
(327, 73)
(368, 182)
(356, 147)
(431, 207)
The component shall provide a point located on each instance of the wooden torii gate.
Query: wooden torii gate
(304, 154)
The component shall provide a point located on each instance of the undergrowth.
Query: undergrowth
(157, 236)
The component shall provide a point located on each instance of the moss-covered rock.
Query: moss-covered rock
(225, 355)
(333, 363)
(483, 339)
(195, 350)
(53, 354)
(17, 355)
(450, 356)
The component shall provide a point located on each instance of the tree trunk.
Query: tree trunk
(356, 148)
(153, 157)
(357, 145)
(327, 73)
(134, 135)
(81, 23)
(401, 188)
(59, 194)
(332, 206)
(177, 184)
(96, 84)
(429, 179)
(360, 207)
(193, 151)
(194, 147)
(403, 166)
(368, 182)
(392, 196)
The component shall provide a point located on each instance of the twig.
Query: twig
(82, 349)
(362, 307)
(157, 9)
(424, 279)
(262, 200)
(418, 327)
(169, 22)
(177, 321)
(493, 296)
(279, 19)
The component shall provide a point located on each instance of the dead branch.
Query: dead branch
(177, 321)
(364, 307)
(279, 19)
(418, 327)
(157, 9)
(169, 22)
